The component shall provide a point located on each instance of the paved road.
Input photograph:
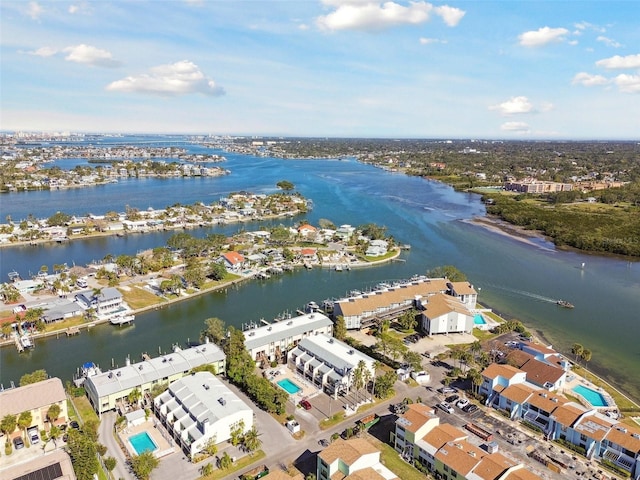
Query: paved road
(106, 437)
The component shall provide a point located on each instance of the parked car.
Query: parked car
(470, 408)
(463, 402)
(446, 407)
(323, 442)
(305, 404)
(33, 436)
(426, 355)
(451, 398)
(75, 425)
(447, 390)
(18, 443)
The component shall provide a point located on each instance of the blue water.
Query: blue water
(142, 442)
(591, 396)
(478, 319)
(430, 216)
(289, 386)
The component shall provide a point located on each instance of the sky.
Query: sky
(508, 69)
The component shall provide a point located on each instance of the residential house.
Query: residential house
(353, 459)
(199, 409)
(105, 302)
(377, 248)
(444, 314)
(233, 261)
(307, 231)
(464, 292)
(544, 375)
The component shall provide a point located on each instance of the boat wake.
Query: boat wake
(524, 293)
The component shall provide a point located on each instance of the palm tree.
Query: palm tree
(476, 379)
(367, 378)
(476, 348)
(225, 461)
(358, 377)
(577, 350)
(251, 440)
(8, 424)
(134, 396)
(24, 422)
(586, 356)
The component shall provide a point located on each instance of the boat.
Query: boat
(122, 319)
(338, 268)
(88, 369)
(26, 342)
(564, 303)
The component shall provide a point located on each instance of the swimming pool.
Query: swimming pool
(289, 386)
(478, 319)
(142, 442)
(594, 398)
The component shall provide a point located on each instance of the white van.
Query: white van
(82, 283)
(33, 435)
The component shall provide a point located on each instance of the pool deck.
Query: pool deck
(574, 381)
(282, 372)
(166, 446)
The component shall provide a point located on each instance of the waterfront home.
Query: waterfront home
(544, 354)
(365, 309)
(345, 232)
(444, 314)
(35, 398)
(377, 248)
(464, 292)
(60, 310)
(307, 231)
(328, 362)
(309, 255)
(105, 302)
(234, 262)
(272, 342)
(354, 458)
(198, 409)
(110, 389)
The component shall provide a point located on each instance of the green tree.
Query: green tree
(53, 412)
(586, 356)
(577, 350)
(384, 385)
(110, 463)
(285, 185)
(476, 379)
(236, 433)
(251, 440)
(134, 396)
(225, 461)
(408, 320)
(24, 422)
(206, 469)
(8, 425)
(340, 328)
(215, 330)
(447, 271)
(217, 271)
(82, 450)
(143, 464)
(58, 219)
(33, 377)
(413, 359)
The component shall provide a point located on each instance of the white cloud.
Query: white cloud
(617, 62)
(303, 27)
(90, 55)
(34, 10)
(628, 83)
(428, 41)
(546, 107)
(375, 16)
(514, 106)
(542, 36)
(43, 52)
(589, 26)
(180, 78)
(518, 127)
(588, 80)
(608, 41)
(450, 15)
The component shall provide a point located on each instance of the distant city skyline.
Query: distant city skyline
(336, 68)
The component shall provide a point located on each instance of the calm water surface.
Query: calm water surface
(519, 279)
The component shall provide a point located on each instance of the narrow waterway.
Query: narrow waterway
(520, 279)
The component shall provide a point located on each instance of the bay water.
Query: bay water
(519, 279)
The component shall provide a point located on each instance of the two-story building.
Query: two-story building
(272, 342)
(352, 459)
(108, 389)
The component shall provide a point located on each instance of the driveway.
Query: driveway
(107, 438)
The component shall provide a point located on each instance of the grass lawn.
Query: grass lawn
(84, 409)
(136, 297)
(64, 324)
(331, 421)
(391, 459)
(482, 335)
(239, 465)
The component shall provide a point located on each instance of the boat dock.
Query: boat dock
(72, 331)
(18, 345)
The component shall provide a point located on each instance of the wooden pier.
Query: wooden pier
(19, 345)
(72, 331)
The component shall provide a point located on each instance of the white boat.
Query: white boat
(26, 342)
(338, 268)
(122, 319)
